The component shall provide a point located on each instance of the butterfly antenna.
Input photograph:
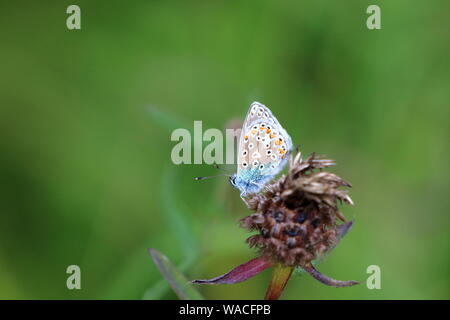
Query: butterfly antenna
(209, 177)
(222, 169)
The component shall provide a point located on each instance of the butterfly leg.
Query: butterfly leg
(243, 198)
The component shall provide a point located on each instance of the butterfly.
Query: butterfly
(263, 150)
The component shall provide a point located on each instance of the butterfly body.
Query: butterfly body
(250, 181)
(263, 150)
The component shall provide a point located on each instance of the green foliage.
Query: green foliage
(86, 117)
(182, 287)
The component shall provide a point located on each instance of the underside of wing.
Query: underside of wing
(264, 144)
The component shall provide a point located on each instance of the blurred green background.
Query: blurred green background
(86, 118)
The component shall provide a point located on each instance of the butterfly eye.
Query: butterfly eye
(273, 156)
(244, 153)
(258, 138)
(269, 152)
(261, 167)
(255, 127)
(266, 115)
(250, 145)
(255, 163)
(268, 146)
(244, 164)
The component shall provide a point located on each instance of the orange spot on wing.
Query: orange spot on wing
(268, 130)
(278, 142)
(253, 131)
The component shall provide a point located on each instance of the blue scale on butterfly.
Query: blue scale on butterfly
(263, 150)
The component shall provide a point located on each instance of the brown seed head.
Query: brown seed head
(296, 217)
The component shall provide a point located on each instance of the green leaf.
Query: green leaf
(177, 281)
(160, 288)
(181, 229)
(176, 219)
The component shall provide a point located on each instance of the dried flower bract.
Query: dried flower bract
(297, 223)
(297, 216)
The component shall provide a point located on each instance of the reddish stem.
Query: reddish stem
(327, 280)
(240, 273)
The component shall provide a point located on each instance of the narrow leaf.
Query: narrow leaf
(341, 231)
(176, 218)
(182, 287)
(280, 277)
(182, 230)
(327, 280)
(240, 273)
(156, 291)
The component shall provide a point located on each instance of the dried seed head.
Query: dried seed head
(296, 217)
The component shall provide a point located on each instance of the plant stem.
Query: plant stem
(280, 277)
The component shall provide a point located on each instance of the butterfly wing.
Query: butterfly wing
(264, 145)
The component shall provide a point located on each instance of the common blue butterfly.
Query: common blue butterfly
(263, 150)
